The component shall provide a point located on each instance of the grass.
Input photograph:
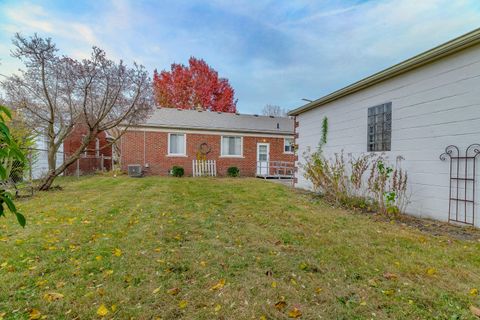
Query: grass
(187, 248)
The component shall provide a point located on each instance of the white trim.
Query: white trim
(184, 154)
(259, 165)
(210, 132)
(231, 155)
(288, 152)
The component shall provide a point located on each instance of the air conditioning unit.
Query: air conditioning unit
(135, 170)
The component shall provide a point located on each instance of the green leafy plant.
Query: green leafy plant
(233, 172)
(324, 130)
(178, 171)
(9, 153)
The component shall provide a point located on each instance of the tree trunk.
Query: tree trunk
(47, 182)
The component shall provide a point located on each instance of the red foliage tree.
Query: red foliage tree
(194, 86)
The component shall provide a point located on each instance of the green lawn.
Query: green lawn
(222, 249)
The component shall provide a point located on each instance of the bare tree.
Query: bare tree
(274, 110)
(57, 92)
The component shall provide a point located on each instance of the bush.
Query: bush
(345, 183)
(177, 171)
(233, 172)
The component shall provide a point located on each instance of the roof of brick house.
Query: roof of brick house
(218, 121)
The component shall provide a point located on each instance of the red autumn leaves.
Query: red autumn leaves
(194, 86)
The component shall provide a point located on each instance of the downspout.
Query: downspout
(144, 148)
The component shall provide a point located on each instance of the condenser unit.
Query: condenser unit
(135, 170)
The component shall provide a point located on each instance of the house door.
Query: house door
(263, 158)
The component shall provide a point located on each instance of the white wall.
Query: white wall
(40, 163)
(432, 107)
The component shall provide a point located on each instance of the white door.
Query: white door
(263, 157)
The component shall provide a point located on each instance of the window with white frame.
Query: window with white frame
(232, 146)
(288, 145)
(176, 144)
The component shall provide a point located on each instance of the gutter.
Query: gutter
(465, 41)
(144, 126)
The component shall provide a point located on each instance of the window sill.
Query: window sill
(288, 152)
(177, 155)
(231, 157)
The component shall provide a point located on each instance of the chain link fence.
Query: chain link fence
(24, 178)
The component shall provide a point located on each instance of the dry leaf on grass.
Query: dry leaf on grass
(475, 311)
(474, 292)
(102, 311)
(182, 304)
(431, 271)
(52, 296)
(117, 252)
(280, 305)
(390, 276)
(34, 314)
(219, 285)
(294, 313)
(173, 291)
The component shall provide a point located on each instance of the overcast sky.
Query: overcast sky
(272, 52)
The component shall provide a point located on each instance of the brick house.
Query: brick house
(97, 156)
(173, 137)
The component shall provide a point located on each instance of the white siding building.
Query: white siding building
(435, 102)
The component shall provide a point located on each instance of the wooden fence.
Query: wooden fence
(204, 168)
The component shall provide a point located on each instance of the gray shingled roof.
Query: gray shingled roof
(218, 121)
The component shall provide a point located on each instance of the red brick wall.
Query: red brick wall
(156, 155)
(88, 163)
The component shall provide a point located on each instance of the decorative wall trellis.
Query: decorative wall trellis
(461, 204)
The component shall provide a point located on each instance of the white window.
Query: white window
(176, 144)
(288, 145)
(232, 146)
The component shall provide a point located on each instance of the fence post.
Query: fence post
(101, 163)
(30, 164)
(78, 168)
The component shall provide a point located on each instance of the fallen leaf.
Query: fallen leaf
(390, 276)
(117, 252)
(173, 291)
(35, 314)
(474, 292)
(294, 313)
(219, 285)
(263, 318)
(108, 272)
(52, 296)
(318, 290)
(156, 290)
(475, 311)
(218, 308)
(274, 284)
(303, 266)
(203, 263)
(389, 292)
(182, 304)
(431, 271)
(102, 311)
(280, 305)
(363, 303)
(114, 307)
(98, 258)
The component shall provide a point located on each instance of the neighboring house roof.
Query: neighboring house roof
(218, 121)
(467, 40)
